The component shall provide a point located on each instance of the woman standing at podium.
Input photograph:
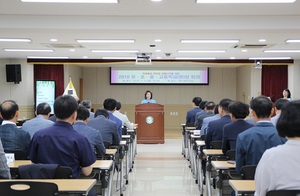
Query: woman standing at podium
(148, 97)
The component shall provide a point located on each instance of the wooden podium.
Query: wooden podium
(150, 119)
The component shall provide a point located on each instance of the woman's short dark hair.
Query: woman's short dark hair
(289, 92)
(238, 109)
(147, 91)
(65, 106)
(262, 106)
(288, 124)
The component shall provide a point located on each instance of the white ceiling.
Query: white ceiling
(144, 21)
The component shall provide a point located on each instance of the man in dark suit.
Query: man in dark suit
(191, 114)
(110, 106)
(215, 128)
(107, 128)
(252, 143)
(209, 111)
(238, 112)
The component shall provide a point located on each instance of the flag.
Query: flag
(70, 90)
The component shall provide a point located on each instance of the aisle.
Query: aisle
(160, 170)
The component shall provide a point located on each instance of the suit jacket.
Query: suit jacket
(215, 130)
(118, 123)
(190, 116)
(14, 138)
(199, 121)
(107, 128)
(231, 132)
(253, 142)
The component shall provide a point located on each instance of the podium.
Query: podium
(150, 119)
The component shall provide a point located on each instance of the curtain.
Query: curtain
(274, 80)
(51, 72)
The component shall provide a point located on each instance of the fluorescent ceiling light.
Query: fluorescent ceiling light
(28, 50)
(195, 58)
(269, 58)
(157, 40)
(124, 51)
(119, 57)
(201, 51)
(293, 41)
(105, 40)
(232, 57)
(53, 40)
(47, 57)
(70, 1)
(281, 51)
(186, 41)
(14, 40)
(262, 40)
(245, 1)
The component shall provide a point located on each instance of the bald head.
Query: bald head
(9, 110)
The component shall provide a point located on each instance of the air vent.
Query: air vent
(52, 45)
(253, 46)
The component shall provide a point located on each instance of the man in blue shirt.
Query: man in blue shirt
(60, 143)
(110, 106)
(253, 142)
(93, 135)
(12, 137)
(40, 121)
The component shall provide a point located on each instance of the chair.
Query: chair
(24, 188)
(19, 154)
(230, 154)
(63, 172)
(283, 192)
(248, 172)
(216, 144)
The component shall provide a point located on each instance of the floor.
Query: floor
(160, 170)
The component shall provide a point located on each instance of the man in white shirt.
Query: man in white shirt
(125, 121)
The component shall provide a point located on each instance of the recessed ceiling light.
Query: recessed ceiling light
(244, 50)
(47, 57)
(195, 41)
(157, 40)
(281, 51)
(70, 1)
(85, 57)
(157, 50)
(195, 58)
(124, 51)
(232, 57)
(156, 0)
(105, 40)
(262, 40)
(201, 51)
(72, 50)
(159, 57)
(14, 40)
(293, 41)
(53, 40)
(245, 1)
(119, 57)
(28, 50)
(269, 58)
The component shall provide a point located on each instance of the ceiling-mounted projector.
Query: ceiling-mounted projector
(143, 58)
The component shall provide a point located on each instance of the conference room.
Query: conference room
(238, 50)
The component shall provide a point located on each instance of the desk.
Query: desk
(209, 154)
(133, 132)
(200, 176)
(192, 148)
(75, 186)
(242, 186)
(123, 144)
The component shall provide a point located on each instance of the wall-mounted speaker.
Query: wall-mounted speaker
(13, 73)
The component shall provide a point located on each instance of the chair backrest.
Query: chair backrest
(230, 154)
(106, 144)
(63, 172)
(44, 171)
(248, 172)
(24, 188)
(216, 144)
(202, 137)
(19, 154)
(284, 193)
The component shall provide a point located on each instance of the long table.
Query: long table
(70, 186)
(242, 186)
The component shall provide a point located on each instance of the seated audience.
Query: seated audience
(11, 136)
(110, 106)
(125, 121)
(4, 169)
(253, 142)
(40, 121)
(278, 105)
(107, 128)
(202, 107)
(208, 111)
(206, 120)
(238, 112)
(215, 128)
(279, 166)
(60, 143)
(191, 114)
(88, 105)
(93, 135)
